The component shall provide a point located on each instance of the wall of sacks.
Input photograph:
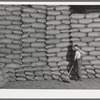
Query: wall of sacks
(85, 31)
(10, 42)
(57, 39)
(34, 40)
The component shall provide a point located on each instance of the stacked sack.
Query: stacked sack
(33, 43)
(85, 32)
(10, 34)
(57, 39)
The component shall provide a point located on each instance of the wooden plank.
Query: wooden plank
(95, 83)
(83, 84)
(90, 84)
(76, 84)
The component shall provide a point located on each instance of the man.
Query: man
(78, 61)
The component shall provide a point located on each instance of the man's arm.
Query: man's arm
(82, 52)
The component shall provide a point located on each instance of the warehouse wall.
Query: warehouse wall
(34, 40)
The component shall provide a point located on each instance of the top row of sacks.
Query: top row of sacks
(82, 16)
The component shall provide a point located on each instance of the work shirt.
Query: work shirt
(78, 55)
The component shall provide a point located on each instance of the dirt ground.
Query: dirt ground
(54, 84)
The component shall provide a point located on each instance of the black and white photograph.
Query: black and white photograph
(49, 46)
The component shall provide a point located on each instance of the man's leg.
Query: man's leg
(79, 68)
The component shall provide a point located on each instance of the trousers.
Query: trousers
(78, 68)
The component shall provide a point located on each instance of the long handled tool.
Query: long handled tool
(67, 77)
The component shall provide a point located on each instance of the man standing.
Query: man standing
(78, 61)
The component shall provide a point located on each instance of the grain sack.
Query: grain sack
(50, 27)
(7, 31)
(85, 21)
(51, 17)
(28, 50)
(89, 57)
(61, 8)
(56, 77)
(5, 50)
(37, 35)
(5, 22)
(39, 7)
(64, 21)
(13, 46)
(38, 25)
(13, 27)
(63, 63)
(13, 8)
(20, 75)
(38, 63)
(62, 67)
(12, 36)
(61, 54)
(94, 44)
(47, 77)
(12, 65)
(12, 17)
(47, 72)
(84, 77)
(52, 64)
(62, 27)
(89, 67)
(29, 73)
(61, 17)
(28, 40)
(81, 44)
(5, 60)
(53, 50)
(39, 68)
(38, 44)
(96, 20)
(87, 39)
(38, 15)
(20, 79)
(88, 48)
(92, 15)
(90, 76)
(39, 78)
(77, 25)
(83, 72)
(31, 30)
(29, 59)
(56, 73)
(96, 29)
(30, 78)
(90, 71)
(97, 75)
(94, 25)
(78, 34)
(4, 13)
(38, 54)
(28, 20)
(97, 39)
(51, 55)
(52, 32)
(77, 16)
(62, 44)
(86, 30)
(53, 13)
(52, 41)
(97, 71)
(62, 35)
(75, 39)
(29, 10)
(53, 22)
(74, 21)
(54, 59)
(94, 53)
(39, 73)
(95, 62)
